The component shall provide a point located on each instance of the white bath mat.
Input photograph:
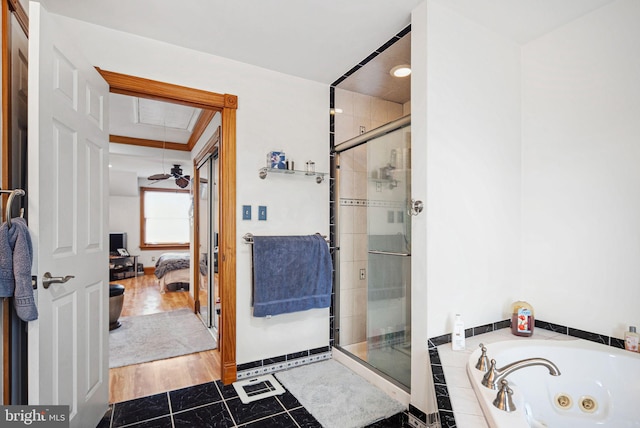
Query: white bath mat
(336, 396)
(257, 388)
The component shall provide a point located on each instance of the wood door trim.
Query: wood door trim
(8, 7)
(152, 89)
(227, 245)
(21, 15)
(209, 148)
(203, 121)
(4, 184)
(227, 105)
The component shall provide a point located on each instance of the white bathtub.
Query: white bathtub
(608, 376)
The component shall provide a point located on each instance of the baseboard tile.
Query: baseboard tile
(284, 365)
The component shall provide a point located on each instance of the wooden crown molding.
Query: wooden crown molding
(203, 121)
(230, 101)
(153, 89)
(148, 143)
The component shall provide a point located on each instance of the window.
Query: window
(164, 218)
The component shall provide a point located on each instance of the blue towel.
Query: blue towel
(290, 274)
(16, 258)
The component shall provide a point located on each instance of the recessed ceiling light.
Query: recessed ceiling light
(110, 166)
(401, 70)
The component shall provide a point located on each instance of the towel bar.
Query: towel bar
(248, 238)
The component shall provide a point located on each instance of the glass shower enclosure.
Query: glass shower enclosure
(373, 267)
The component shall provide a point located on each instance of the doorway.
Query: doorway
(225, 104)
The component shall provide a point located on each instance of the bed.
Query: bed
(173, 273)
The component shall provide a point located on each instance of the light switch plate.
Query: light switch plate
(262, 212)
(246, 212)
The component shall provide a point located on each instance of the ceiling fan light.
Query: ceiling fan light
(182, 182)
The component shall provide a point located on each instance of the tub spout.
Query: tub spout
(493, 377)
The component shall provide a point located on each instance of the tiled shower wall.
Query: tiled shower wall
(353, 245)
(360, 113)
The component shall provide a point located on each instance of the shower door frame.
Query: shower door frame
(335, 233)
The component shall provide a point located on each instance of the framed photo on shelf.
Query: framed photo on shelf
(123, 252)
(276, 160)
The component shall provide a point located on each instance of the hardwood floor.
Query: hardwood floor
(142, 297)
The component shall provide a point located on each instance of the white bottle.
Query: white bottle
(631, 339)
(457, 341)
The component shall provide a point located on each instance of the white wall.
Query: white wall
(275, 111)
(581, 180)
(472, 140)
(422, 395)
(531, 175)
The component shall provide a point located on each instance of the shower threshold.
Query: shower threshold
(393, 361)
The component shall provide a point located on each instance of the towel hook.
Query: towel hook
(12, 194)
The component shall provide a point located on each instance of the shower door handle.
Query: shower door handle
(415, 207)
(389, 253)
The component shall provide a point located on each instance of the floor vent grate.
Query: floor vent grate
(257, 388)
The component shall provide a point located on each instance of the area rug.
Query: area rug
(336, 396)
(145, 338)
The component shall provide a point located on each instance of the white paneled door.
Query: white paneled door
(67, 197)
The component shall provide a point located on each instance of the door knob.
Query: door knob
(47, 279)
(415, 207)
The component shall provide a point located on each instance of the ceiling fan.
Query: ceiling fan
(182, 181)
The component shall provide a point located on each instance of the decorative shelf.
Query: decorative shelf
(319, 176)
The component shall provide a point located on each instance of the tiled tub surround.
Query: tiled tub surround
(457, 403)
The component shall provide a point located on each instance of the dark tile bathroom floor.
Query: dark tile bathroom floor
(215, 405)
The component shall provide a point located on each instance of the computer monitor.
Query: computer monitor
(117, 240)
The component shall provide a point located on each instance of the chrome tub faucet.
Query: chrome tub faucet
(493, 377)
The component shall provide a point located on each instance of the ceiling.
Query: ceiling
(150, 119)
(313, 39)
(147, 119)
(524, 20)
(317, 40)
(374, 78)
